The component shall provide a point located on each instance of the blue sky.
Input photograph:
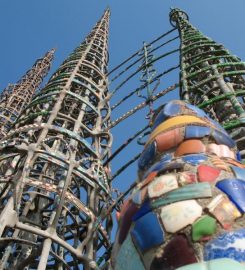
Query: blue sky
(29, 28)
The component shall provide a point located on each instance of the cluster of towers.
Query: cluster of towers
(53, 183)
(55, 207)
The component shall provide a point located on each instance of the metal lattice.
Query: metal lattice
(54, 190)
(17, 96)
(211, 77)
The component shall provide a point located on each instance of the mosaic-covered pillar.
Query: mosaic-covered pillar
(187, 211)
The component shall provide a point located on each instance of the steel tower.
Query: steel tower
(211, 77)
(17, 96)
(56, 188)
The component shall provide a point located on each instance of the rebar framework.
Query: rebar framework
(211, 77)
(17, 96)
(54, 187)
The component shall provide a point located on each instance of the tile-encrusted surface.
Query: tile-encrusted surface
(188, 204)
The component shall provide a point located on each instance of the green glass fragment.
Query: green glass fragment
(204, 226)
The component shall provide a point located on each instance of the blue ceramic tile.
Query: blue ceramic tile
(196, 132)
(194, 159)
(228, 245)
(217, 125)
(172, 108)
(159, 119)
(166, 157)
(223, 138)
(128, 256)
(195, 109)
(147, 156)
(147, 232)
(235, 189)
(239, 172)
(238, 156)
(144, 209)
(169, 110)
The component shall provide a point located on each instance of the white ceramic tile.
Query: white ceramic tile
(178, 215)
(162, 185)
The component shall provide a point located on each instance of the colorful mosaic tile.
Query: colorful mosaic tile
(228, 245)
(224, 210)
(128, 257)
(207, 173)
(177, 253)
(147, 232)
(192, 191)
(180, 214)
(235, 190)
(162, 184)
(203, 228)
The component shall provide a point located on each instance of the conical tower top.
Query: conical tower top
(211, 77)
(17, 96)
(65, 128)
(177, 14)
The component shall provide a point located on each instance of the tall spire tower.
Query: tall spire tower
(211, 78)
(56, 196)
(17, 96)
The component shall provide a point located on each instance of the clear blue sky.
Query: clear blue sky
(31, 27)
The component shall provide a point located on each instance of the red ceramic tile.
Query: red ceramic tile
(124, 209)
(207, 173)
(126, 221)
(169, 139)
(190, 147)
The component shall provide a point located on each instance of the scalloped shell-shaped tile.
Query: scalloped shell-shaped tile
(178, 215)
(220, 150)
